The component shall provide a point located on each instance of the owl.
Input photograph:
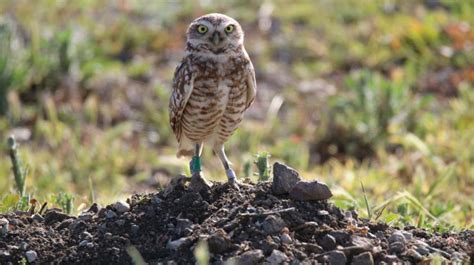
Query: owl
(212, 88)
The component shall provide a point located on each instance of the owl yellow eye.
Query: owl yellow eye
(229, 29)
(202, 29)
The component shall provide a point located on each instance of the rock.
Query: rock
(250, 257)
(109, 214)
(3, 226)
(52, 217)
(414, 255)
(310, 191)
(363, 259)
(284, 178)
(86, 216)
(179, 243)
(312, 248)
(108, 236)
(407, 235)
(328, 242)
(121, 207)
(341, 237)
(65, 223)
(286, 239)
(83, 243)
(336, 257)
(277, 257)
(219, 242)
(135, 228)
(422, 250)
(175, 184)
(87, 234)
(94, 208)
(396, 247)
(120, 222)
(397, 236)
(273, 224)
(37, 218)
(182, 225)
(31, 255)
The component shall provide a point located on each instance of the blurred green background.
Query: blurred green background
(350, 92)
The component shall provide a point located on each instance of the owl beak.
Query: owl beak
(215, 38)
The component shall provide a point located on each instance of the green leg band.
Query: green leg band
(196, 164)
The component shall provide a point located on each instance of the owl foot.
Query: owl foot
(198, 183)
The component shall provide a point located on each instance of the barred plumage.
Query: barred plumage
(213, 85)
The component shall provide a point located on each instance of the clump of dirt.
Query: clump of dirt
(250, 226)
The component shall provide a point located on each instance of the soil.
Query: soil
(249, 226)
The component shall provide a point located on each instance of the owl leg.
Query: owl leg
(198, 183)
(195, 164)
(219, 150)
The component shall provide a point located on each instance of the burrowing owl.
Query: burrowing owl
(212, 87)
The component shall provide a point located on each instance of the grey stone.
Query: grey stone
(108, 236)
(135, 228)
(414, 255)
(250, 257)
(37, 218)
(90, 245)
(284, 178)
(286, 239)
(182, 225)
(179, 243)
(273, 224)
(396, 247)
(86, 216)
(310, 191)
(120, 222)
(86, 234)
(109, 214)
(341, 237)
(312, 248)
(31, 255)
(328, 242)
(407, 235)
(219, 242)
(83, 243)
(397, 236)
(422, 250)
(3, 226)
(336, 257)
(363, 259)
(23, 245)
(121, 207)
(53, 216)
(277, 257)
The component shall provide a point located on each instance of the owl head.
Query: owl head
(214, 33)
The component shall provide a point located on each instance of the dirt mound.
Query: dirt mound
(249, 226)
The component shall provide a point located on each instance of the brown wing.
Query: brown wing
(182, 87)
(251, 84)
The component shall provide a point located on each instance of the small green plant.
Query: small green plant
(65, 201)
(19, 171)
(263, 166)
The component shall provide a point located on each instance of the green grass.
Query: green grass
(351, 92)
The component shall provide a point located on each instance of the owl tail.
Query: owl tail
(186, 148)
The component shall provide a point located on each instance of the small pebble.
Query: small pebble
(83, 243)
(363, 259)
(110, 214)
(31, 255)
(328, 242)
(336, 257)
(277, 257)
(286, 239)
(397, 236)
(121, 206)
